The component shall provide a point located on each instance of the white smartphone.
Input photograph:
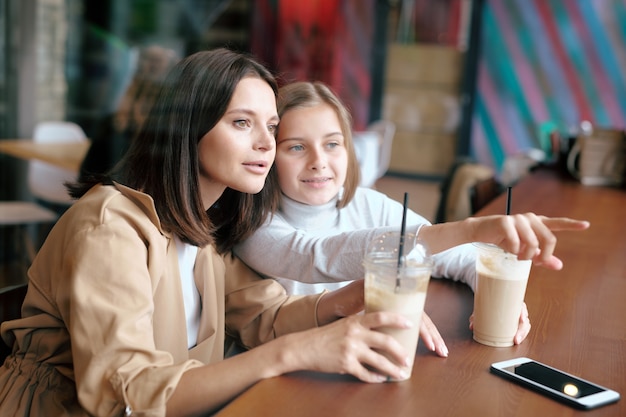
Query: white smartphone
(555, 383)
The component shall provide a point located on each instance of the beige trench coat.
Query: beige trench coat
(103, 323)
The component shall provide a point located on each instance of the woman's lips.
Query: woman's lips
(257, 167)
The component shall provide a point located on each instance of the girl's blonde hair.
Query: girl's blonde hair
(308, 94)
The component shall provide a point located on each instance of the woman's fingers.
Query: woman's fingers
(392, 363)
(431, 337)
(373, 352)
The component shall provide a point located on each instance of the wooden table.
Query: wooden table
(64, 155)
(577, 317)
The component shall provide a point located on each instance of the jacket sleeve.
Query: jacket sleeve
(259, 310)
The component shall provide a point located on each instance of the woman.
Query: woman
(325, 221)
(131, 295)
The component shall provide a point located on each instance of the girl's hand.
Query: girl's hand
(523, 327)
(528, 235)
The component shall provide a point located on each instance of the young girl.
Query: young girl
(325, 221)
(131, 295)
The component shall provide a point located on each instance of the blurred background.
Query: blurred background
(484, 79)
(478, 77)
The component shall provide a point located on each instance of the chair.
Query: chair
(483, 192)
(456, 195)
(45, 181)
(373, 148)
(11, 300)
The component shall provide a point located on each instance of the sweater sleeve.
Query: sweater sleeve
(457, 263)
(279, 250)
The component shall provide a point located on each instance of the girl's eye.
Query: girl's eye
(296, 148)
(332, 145)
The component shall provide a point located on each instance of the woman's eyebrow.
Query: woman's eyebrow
(274, 118)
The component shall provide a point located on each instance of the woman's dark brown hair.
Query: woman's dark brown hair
(163, 158)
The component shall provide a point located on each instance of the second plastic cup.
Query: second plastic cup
(398, 287)
(499, 294)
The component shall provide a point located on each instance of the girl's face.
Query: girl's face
(238, 152)
(311, 159)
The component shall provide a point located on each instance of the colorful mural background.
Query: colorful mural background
(547, 62)
(543, 63)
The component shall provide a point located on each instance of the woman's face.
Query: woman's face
(311, 159)
(239, 151)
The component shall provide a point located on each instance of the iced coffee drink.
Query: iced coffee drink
(400, 289)
(499, 294)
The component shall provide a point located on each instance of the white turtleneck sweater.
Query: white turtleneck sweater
(312, 248)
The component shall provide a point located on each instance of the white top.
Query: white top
(186, 262)
(304, 246)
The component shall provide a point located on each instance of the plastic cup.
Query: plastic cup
(398, 287)
(499, 295)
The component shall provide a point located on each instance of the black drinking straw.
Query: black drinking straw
(402, 233)
(508, 200)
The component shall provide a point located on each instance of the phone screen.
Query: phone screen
(556, 380)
